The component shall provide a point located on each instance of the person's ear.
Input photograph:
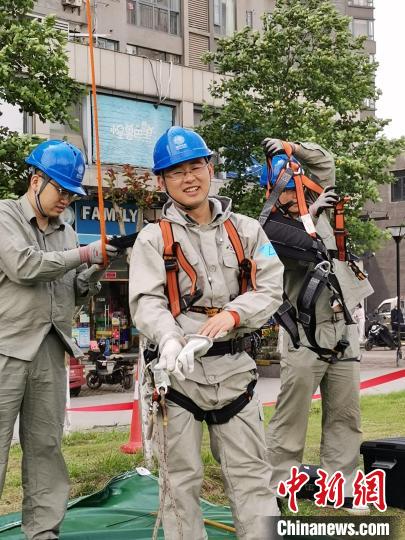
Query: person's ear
(161, 183)
(35, 182)
(211, 169)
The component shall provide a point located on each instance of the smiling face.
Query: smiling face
(188, 183)
(53, 198)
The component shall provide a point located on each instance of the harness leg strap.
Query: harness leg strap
(215, 416)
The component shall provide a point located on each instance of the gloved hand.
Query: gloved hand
(272, 147)
(168, 357)
(92, 253)
(197, 346)
(93, 273)
(327, 199)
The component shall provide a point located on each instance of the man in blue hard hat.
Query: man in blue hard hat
(44, 273)
(187, 297)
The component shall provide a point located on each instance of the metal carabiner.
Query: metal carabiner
(324, 267)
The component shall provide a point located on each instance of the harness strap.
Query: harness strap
(339, 229)
(173, 256)
(273, 195)
(215, 416)
(247, 267)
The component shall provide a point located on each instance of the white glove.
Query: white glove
(168, 356)
(196, 346)
(92, 274)
(327, 199)
(92, 253)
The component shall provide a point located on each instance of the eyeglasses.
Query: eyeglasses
(64, 193)
(196, 170)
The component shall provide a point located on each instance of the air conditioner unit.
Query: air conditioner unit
(72, 3)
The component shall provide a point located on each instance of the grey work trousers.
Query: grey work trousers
(238, 446)
(37, 391)
(301, 374)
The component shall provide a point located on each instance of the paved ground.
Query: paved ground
(375, 363)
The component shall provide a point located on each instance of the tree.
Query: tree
(304, 77)
(34, 76)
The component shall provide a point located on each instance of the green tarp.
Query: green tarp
(124, 510)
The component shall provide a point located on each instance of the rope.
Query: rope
(165, 487)
(97, 140)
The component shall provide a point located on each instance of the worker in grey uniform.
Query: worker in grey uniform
(303, 369)
(211, 382)
(43, 275)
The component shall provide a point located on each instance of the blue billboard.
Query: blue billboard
(128, 129)
(87, 220)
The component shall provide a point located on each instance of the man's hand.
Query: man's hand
(327, 199)
(196, 346)
(218, 326)
(92, 253)
(168, 358)
(273, 147)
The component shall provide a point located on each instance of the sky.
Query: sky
(389, 35)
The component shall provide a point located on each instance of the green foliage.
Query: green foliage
(34, 76)
(305, 77)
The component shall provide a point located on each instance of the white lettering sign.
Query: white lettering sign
(93, 213)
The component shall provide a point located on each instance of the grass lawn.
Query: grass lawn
(94, 457)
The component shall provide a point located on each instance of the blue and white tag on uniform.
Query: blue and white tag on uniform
(267, 250)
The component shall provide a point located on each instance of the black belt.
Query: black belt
(215, 416)
(232, 346)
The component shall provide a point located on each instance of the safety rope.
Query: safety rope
(165, 487)
(96, 135)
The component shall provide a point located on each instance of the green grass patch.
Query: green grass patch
(93, 457)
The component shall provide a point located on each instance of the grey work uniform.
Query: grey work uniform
(301, 370)
(239, 444)
(40, 283)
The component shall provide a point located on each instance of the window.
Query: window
(224, 17)
(160, 15)
(153, 54)
(109, 44)
(361, 3)
(369, 104)
(249, 19)
(362, 27)
(398, 187)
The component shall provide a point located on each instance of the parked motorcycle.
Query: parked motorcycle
(121, 372)
(378, 335)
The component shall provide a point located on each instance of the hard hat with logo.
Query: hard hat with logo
(177, 145)
(62, 162)
(278, 163)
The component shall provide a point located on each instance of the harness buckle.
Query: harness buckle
(324, 267)
(171, 264)
(212, 311)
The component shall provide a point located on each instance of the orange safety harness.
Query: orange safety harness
(302, 181)
(175, 259)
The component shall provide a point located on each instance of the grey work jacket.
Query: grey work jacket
(210, 252)
(41, 281)
(330, 327)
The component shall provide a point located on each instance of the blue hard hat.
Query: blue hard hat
(61, 161)
(177, 145)
(278, 163)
